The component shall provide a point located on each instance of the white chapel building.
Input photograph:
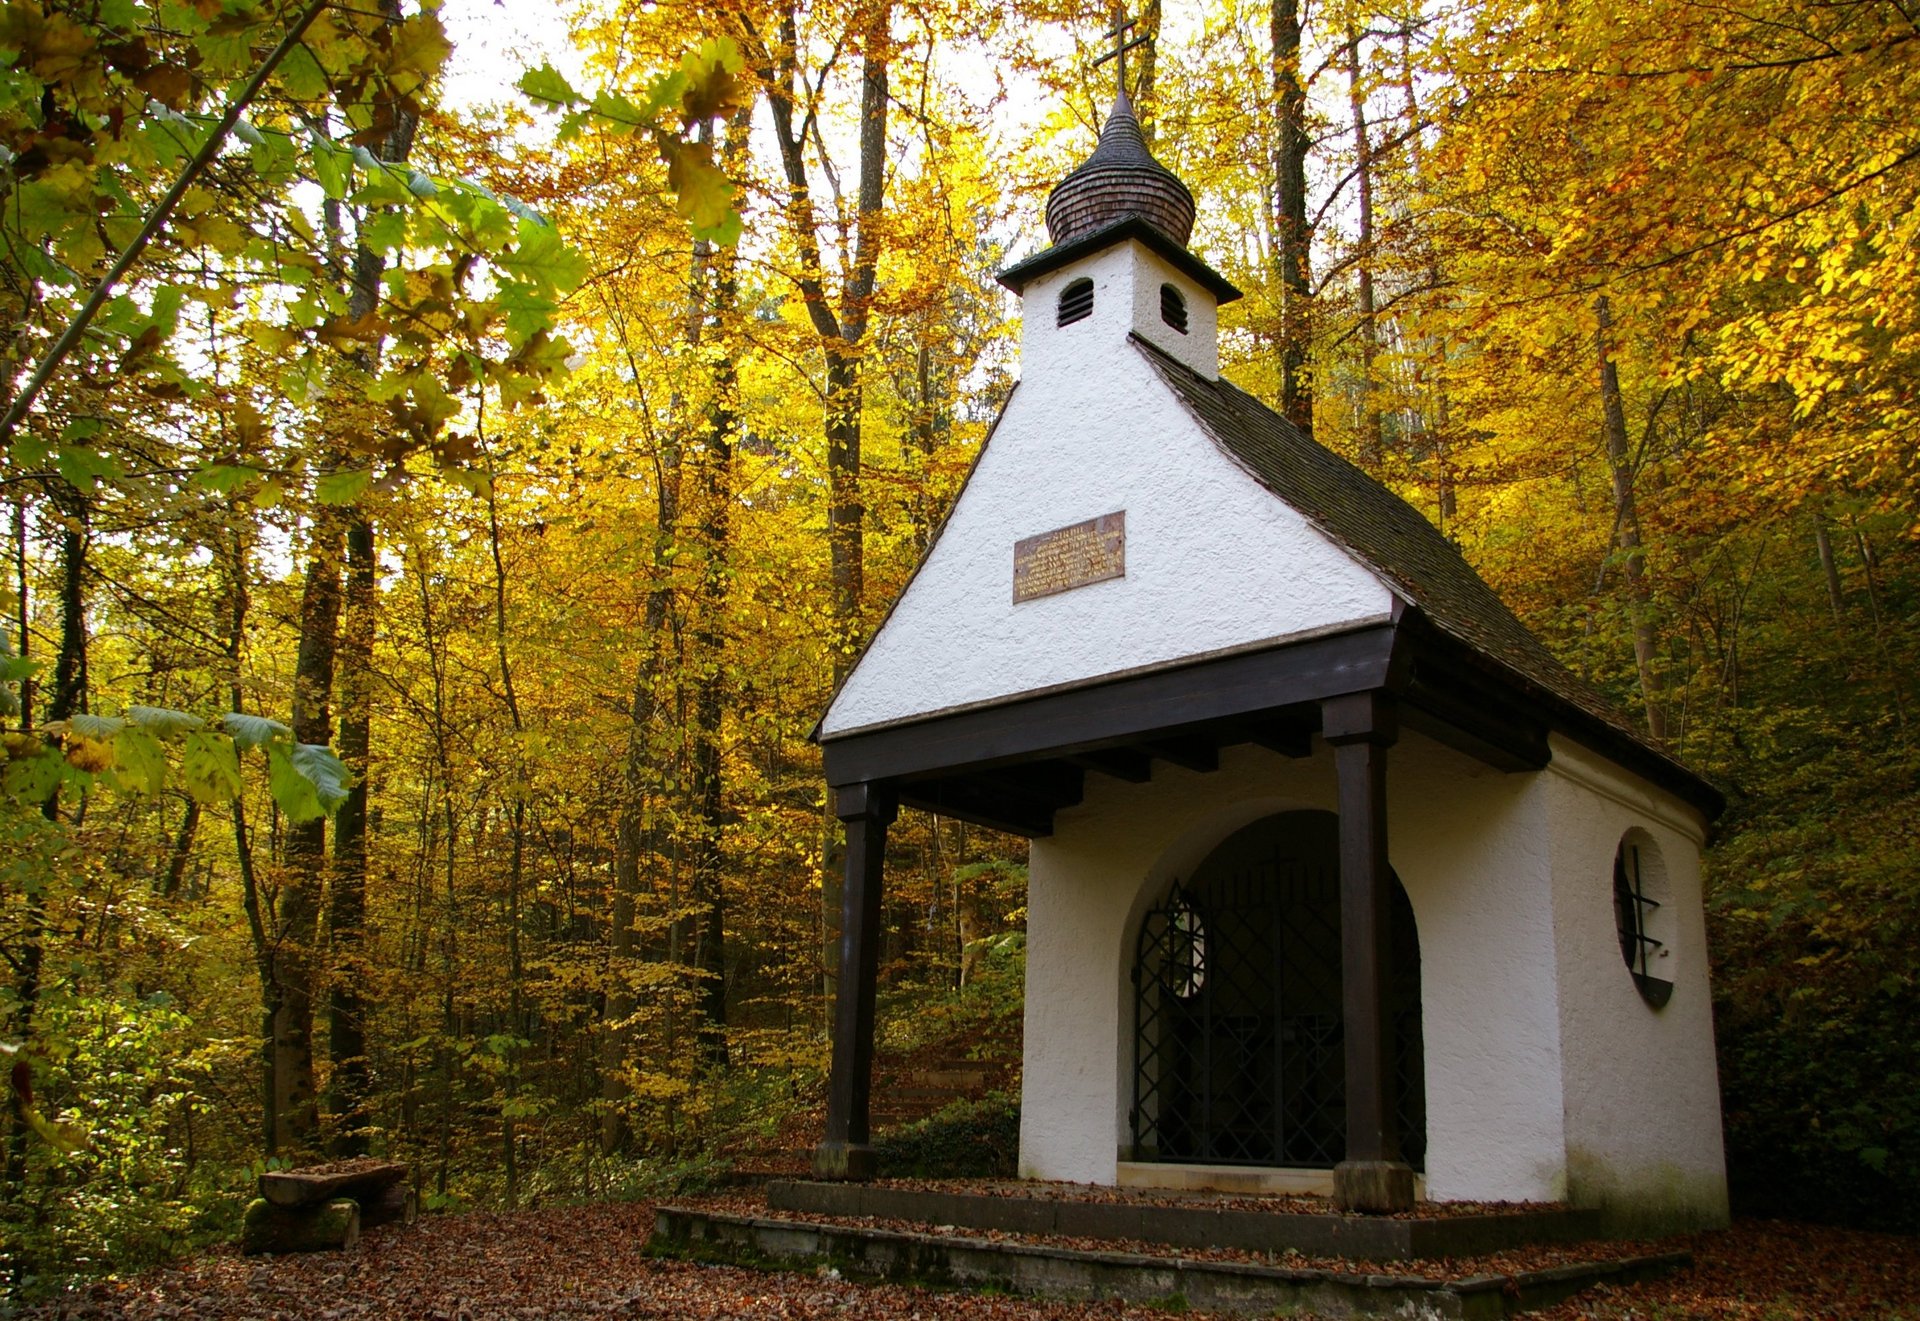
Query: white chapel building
(1339, 881)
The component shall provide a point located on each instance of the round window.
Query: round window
(1186, 949)
(1639, 916)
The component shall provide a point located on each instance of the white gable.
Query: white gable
(1213, 561)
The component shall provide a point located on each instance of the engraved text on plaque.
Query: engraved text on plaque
(1070, 557)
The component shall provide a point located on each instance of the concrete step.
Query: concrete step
(1063, 1272)
(1193, 1222)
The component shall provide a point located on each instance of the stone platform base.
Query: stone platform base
(1069, 1273)
(1193, 1223)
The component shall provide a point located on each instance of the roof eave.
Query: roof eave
(1018, 276)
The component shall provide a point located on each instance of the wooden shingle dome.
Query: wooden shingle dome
(1120, 180)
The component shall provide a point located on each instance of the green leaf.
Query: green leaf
(332, 169)
(249, 732)
(142, 764)
(32, 778)
(210, 768)
(542, 258)
(307, 780)
(86, 468)
(702, 191)
(292, 790)
(384, 232)
(327, 773)
(92, 726)
(713, 85)
(547, 86)
(342, 488)
(224, 478)
(163, 721)
(29, 452)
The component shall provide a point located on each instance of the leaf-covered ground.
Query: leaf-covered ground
(579, 1262)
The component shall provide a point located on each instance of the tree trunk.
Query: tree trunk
(1370, 424)
(296, 1119)
(349, 1084)
(516, 854)
(22, 642)
(67, 699)
(716, 493)
(1293, 250)
(1823, 543)
(1626, 521)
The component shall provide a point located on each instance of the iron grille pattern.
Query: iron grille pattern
(1239, 1047)
(1076, 302)
(1631, 907)
(1173, 308)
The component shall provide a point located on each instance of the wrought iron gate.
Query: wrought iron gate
(1238, 1030)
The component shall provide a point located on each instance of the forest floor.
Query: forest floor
(590, 1261)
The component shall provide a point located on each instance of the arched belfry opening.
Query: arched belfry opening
(1239, 1042)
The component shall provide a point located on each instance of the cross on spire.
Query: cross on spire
(1121, 45)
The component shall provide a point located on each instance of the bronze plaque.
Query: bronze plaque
(1070, 557)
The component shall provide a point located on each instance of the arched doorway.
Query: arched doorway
(1238, 1042)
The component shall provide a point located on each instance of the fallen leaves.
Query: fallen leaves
(565, 1263)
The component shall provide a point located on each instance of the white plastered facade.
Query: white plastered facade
(1213, 562)
(1547, 1077)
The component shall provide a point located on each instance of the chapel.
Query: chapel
(1339, 881)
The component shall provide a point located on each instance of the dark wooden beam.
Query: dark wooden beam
(846, 1150)
(1049, 784)
(1117, 711)
(979, 804)
(1288, 740)
(1127, 764)
(1186, 750)
(1372, 1177)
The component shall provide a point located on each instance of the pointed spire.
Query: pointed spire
(1120, 179)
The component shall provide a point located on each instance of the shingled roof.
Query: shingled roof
(1394, 540)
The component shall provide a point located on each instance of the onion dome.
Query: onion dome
(1121, 179)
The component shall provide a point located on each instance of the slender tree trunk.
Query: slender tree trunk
(182, 851)
(350, 1081)
(349, 1084)
(22, 641)
(1823, 542)
(1627, 523)
(516, 853)
(295, 1110)
(715, 469)
(1370, 423)
(1294, 249)
(237, 603)
(632, 842)
(67, 699)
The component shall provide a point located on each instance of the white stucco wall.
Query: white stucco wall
(1213, 561)
(1466, 842)
(1641, 1084)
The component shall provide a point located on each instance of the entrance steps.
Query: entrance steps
(1248, 1260)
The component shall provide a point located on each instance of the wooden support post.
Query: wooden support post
(845, 1151)
(1373, 1177)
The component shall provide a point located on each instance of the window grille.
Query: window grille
(1076, 302)
(1173, 308)
(1239, 1048)
(1631, 909)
